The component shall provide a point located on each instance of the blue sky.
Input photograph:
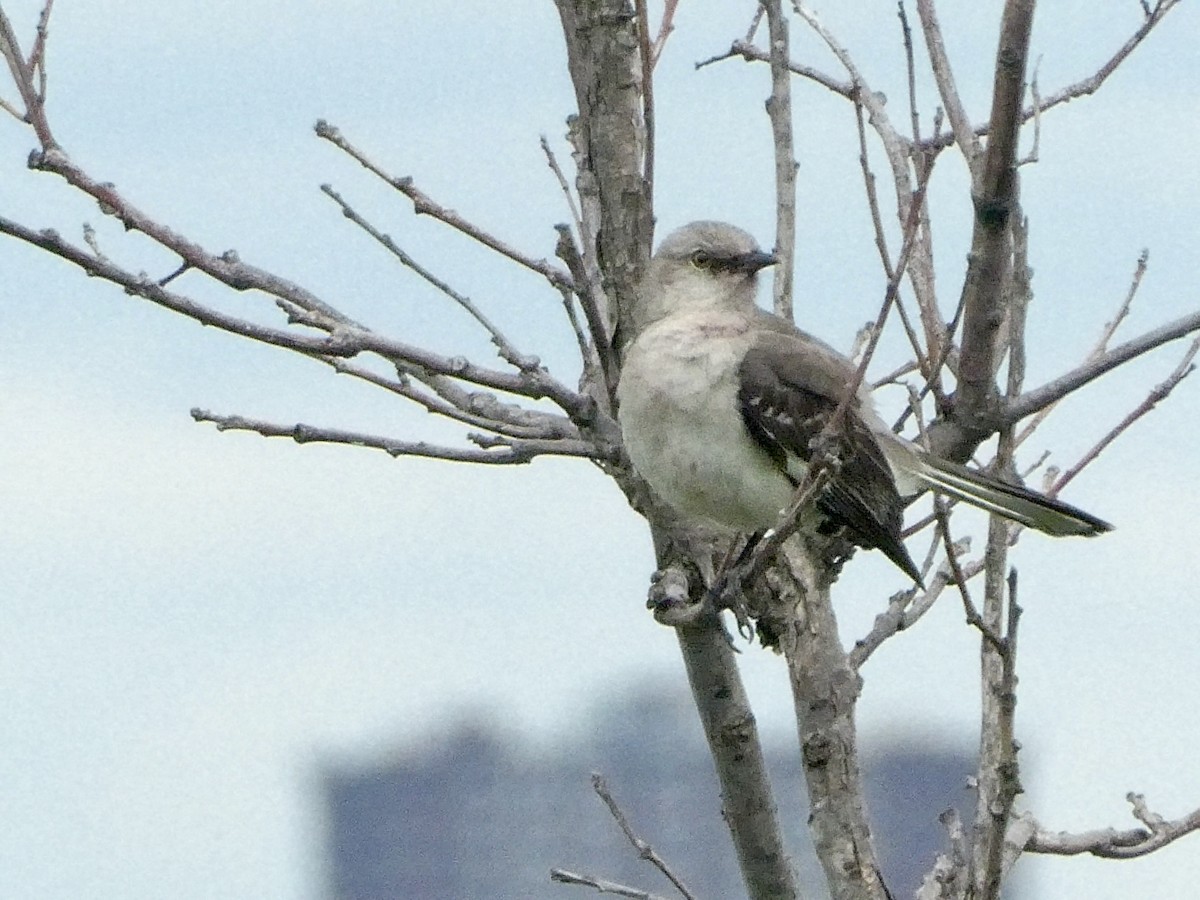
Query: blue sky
(194, 621)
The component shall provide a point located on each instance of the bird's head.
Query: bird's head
(703, 264)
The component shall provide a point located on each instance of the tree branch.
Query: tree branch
(994, 195)
(825, 690)
(1111, 843)
(747, 804)
(1053, 391)
(494, 450)
(943, 73)
(474, 408)
(602, 885)
(423, 204)
(645, 851)
(1082, 88)
(779, 109)
(508, 352)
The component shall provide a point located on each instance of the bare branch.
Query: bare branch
(608, 136)
(227, 268)
(480, 410)
(974, 619)
(994, 195)
(1053, 391)
(750, 53)
(602, 885)
(552, 162)
(508, 451)
(142, 285)
(825, 691)
(508, 352)
(37, 56)
(343, 340)
(645, 851)
(1002, 785)
(423, 204)
(904, 610)
(597, 353)
(779, 109)
(1160, 392)
(911, 69)
(945, 881)
(1091, 84)
(747, 806)
(1084, 87)
(23, 73)
(960, 123)
(664, 31)
(1110, 328)
(647, 72)
(1110, 843)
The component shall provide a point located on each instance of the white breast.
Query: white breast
(682, 428)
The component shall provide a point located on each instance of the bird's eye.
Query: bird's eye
(702, 260)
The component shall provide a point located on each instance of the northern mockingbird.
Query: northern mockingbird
(719, 402)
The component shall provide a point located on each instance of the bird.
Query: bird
(719, 402)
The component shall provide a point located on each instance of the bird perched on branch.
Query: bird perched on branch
(720, 403)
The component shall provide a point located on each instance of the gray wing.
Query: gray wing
(788, 390)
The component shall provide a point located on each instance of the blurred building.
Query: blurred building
(469, 816)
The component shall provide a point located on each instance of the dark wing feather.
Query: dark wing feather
(786, 398)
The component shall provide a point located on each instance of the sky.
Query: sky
(194, 623)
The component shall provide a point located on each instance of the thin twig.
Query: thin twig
(564, 186)
(493, 450)
(880, 237)
(599, 350)
(645, 851)
(1038, 398)
(943, 74)
(647, 66)
(889, 297)
(602, 885)
(1082, 88)
(750, 53)
(508, 352)
(1032, 156)
(907, 607)
(974, 619)
(423, 204)
(1109, 843)
(1159, 393)
(468, 407)
(779, 110)
(665, 28)
(37, 56)
(23, 74)
(1110, 328)
(911, 70)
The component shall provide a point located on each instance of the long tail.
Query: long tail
(1011, 501)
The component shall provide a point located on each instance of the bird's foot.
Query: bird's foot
(671, 600)
(728, 592)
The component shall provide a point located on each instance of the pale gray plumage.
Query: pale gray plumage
(718, 401)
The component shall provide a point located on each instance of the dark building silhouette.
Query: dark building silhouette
(470, 817)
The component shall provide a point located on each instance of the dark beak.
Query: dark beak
(749, 263)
